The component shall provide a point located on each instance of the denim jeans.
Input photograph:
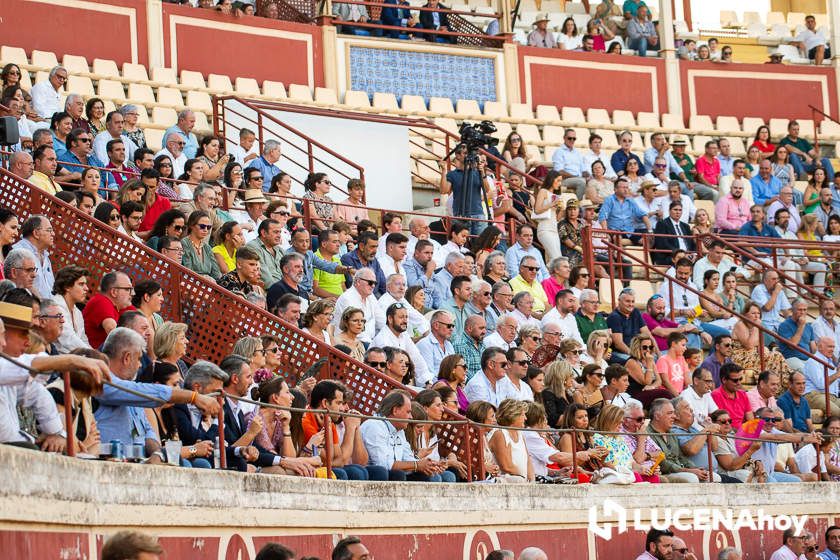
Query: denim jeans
(801, 168)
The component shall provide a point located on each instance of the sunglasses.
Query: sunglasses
(85, 140)
(114, 218)
(535, 338)
(522, 362)
(463, 365)
(772, 420)
(727, 421)
(447, 325)
(370, 283)
(178, 228)
(377, 364)
(204, 227)
(503, 365)
(584, 275)
(638, 419)
(578, 352)
(531, 268)
(647, 347)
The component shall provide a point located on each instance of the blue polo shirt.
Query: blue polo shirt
(797, 413)
(627, 326)
(619, 160)
(766, 231)
(786, 330)
(475, 202)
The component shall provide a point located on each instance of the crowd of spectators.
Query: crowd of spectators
(475, 320)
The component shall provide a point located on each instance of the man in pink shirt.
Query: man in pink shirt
(707, 166)
(733, 210)
(730, 397)
(761, 396)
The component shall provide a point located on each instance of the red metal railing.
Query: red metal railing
(215, 317)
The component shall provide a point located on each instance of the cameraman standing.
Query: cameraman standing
(469, 203)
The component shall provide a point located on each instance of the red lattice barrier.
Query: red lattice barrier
(216, 318)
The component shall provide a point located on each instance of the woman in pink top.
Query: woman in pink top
(355, 211)
(672, 366)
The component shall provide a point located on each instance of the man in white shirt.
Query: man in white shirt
(793, 546)
(716, 259)
(663, 203)
(785, 202)
(491, 383)
(812, 43)
(506, 328)
(174, 150)
(827, 325)
(519, 361)
(685, 300)
(699, 396)
(595, 154)
(395, 250)
(46, 96)
(563, 315)
(360, 295)
(114, 124)
(396, 334)
(435, 346)
(568, 161)
(395, 287)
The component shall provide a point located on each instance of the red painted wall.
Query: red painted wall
(588, 86)
(780, 92)
(93, 34)
(240, 52)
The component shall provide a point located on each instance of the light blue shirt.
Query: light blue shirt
(650, 156)
(385, 444)
(415, 275)
(569, 160)
(459, 317)
(442, 284)
(761, 191)
(268, 170)
(432, 353)
(619, 215)
(773, 318)
(191, 147)
(726, 165)
(700, 459)
(514, 255)
(828, 555)
(120, 415)
(44, 279)
(815, 376)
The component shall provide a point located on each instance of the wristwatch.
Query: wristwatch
(192, 451)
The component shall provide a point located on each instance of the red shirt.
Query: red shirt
(158, 207)
(95, 312)
(710, 170)
(737, 407)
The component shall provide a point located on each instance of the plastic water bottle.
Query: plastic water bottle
(217, 462)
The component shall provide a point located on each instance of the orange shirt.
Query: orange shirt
(311, 427)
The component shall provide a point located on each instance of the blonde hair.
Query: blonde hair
(557, 373)
(609, 416)
(166, 336)
(509, 410)
(595, 336)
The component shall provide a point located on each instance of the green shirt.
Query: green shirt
(687, 165)
(205, 264)
(801, 144)
(330, 283)
(674, 461)
(269, 263)
(586, 326)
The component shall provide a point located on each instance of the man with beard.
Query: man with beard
(291, 266)
(720, 355)
(395, 335)
(660, 326)
(658, 545)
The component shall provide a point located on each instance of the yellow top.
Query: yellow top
(44, 183)
(230, 260)
(518, 284)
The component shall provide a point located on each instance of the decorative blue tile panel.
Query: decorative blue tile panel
(422, 73)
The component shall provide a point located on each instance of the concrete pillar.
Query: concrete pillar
(503, 7)
(154, 28)
(510, 57)
(329, 34)
(672, 68)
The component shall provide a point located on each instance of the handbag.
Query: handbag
(617, 475)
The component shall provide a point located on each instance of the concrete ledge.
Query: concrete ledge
(59, 490)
